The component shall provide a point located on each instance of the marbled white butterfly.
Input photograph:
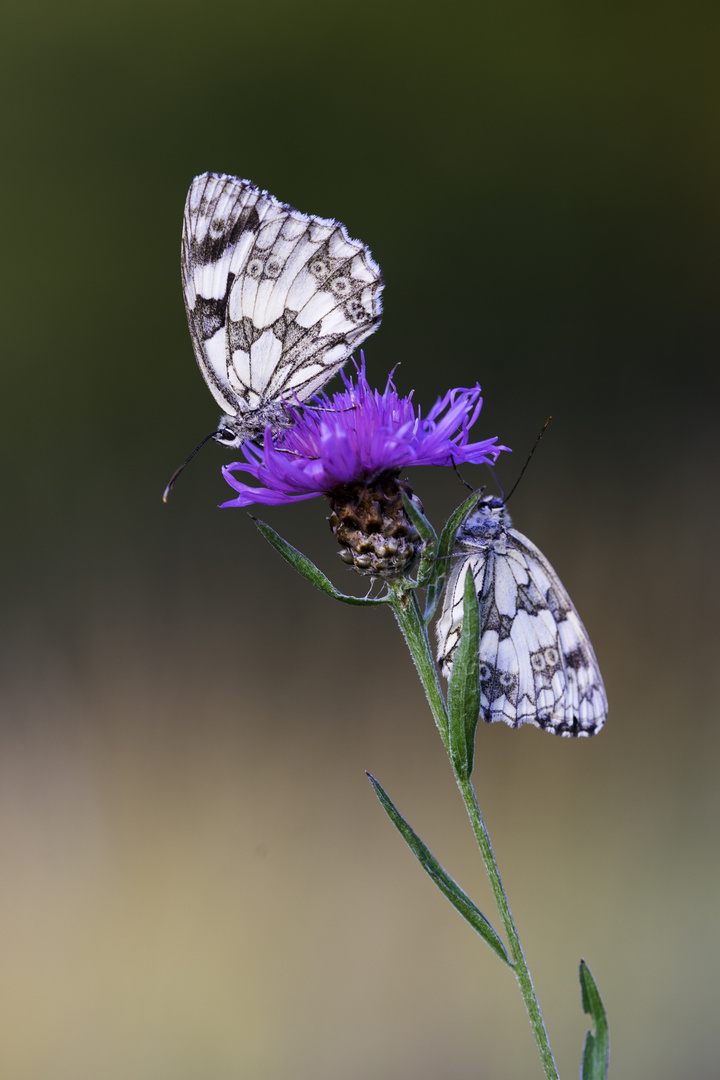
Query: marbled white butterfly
(276, 300)
(537, 665)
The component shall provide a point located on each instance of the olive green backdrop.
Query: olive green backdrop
(196, 880)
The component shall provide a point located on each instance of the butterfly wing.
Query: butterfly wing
(560, 688)
(276, 300)
(504, 668)
(537, 665)
(449, 625)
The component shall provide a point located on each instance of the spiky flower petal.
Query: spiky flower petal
(356, 436)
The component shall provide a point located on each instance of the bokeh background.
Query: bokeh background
(195, 878)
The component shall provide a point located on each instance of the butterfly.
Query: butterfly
(276, 301)
(537, 665)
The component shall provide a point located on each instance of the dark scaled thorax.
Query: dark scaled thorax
(487, 524)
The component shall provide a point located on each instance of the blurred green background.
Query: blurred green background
(195, 878)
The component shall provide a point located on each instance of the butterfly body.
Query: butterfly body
(537, 665)
(276, 301)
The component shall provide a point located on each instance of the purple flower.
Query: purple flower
(356, 436)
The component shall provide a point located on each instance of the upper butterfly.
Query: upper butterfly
(276, 301)
(537, 665)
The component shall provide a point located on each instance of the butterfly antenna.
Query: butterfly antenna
(187, 461)
(498, 485)
(535, 446)
(461, 478)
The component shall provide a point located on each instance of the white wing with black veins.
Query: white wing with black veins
(537, 665)
(276, 300)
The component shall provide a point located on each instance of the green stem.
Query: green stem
(410, 620)
(409, 617)
(522, 971)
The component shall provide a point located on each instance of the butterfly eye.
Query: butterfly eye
(225, 435)
(506, 679)
(273, 267)
(485, 672)
(551, 656)
(255, 268)
(318, 268)
(217, 227)
(538, 660)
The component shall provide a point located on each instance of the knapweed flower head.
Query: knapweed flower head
(351, 448)
(356, 435)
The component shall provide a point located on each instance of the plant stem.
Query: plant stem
(522, 972)
(410, 620)
(409, 617)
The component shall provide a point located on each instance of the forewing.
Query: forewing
(276, 300)
(222, 218)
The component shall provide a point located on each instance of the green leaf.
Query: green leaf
(459, 899)
(596, 1054)
(309, 571)
(428, 563)
(444, 552)
(464, 686)
(453, 523)
(418, 519)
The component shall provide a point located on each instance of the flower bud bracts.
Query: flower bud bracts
(369, 521)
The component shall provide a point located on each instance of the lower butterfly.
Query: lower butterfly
(276, 301)
(537, 665)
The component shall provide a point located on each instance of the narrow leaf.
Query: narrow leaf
(453, 523)
(596, 1053)
(464, 687)
(457, 897)
(421, 523)
(428, 563)
(309, 571)
(444, 552)
(434, 593)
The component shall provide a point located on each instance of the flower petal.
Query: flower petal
(357, 435)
